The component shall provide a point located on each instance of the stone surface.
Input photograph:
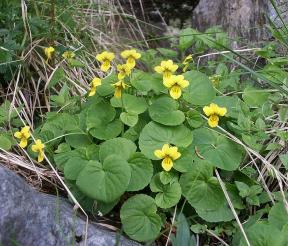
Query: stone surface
(244, 18)
(30, 218)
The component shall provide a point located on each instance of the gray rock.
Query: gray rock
(29, 218)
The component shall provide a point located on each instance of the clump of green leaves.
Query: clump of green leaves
(105, 146)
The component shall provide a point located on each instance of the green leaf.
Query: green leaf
(278, 215)
(132, 104)
(167, 195)
(194, 119)
(122, 147)
(263, 234)
(254, 97)
(106, 87)
(185, 163)
(220, 214)
(154, 136)
(78, 140)
(76, 63)
(230, 103)
(168, 52)
(129, 119)
(61, 158)
(145, 82)
(200, 90)
(168, 177)
(244, 189)
(99, 114)
(186, 38)
(5, 143)
(107, 131)
(73, 167)
(284, 160)
(140, 219)
(105, 182)
(141, 172)
(58, 75)
(218, 150)
(165, 111)
(201, 189)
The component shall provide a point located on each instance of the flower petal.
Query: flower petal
(207, 110)
(213, 121)
(23, 143)
(175, 92)
(41, 156)
(221, 111)
(159, 154)
(18, 135)
(167, 164)
(174, 154)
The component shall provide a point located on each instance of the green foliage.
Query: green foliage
(107, 147)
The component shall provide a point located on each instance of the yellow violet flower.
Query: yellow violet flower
(105, 58)
(119, 86)
(95, 82)
(123, 71)
(168, 154)
(23, 135)
(49, 51)
(167, 68)
(213, 111)
(38, 147)
(68, 54)
(131, 56)
(175, 84)
(188, 59)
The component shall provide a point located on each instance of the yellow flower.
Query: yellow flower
(215, 79)
(95, 82)
(131, 56)
(68, 54)
(119, 86)
(167, 68)
(23, 135)
(188, 59)
(123, 71)
(213, 111)
(49, 51)
(168, 154)
(38, 147)
(105, 58)
(175, 84)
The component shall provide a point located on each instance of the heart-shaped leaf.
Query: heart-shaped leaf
(73, 167)
(105, 182)
(168, 195)
(140, 219)
(200, 90)
(141, 172)
(99, 114)
(217, 149)
(165, 111)
(129, 119)
(107, 131)
(121, 147)
(132, 104)
(201, 189)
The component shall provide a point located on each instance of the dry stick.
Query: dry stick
(224, 52)
(171, 227)
(64, 185)
(231, 206)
